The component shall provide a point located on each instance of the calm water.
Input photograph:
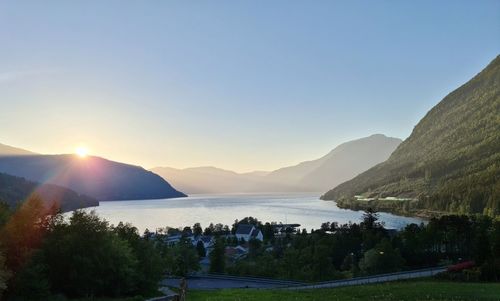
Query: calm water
(307, 210)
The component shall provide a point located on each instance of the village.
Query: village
(238, 240)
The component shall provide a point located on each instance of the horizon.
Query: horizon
(170, 85)
(82, 152)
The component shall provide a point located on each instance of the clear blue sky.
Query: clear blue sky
(241, 85)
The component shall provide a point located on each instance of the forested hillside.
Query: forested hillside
(14, 190)
(450, 162)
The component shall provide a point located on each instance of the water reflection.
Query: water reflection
(307, 210)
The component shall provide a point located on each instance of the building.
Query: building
(248, 232)
(172, 240)
(235, 253)
(207, 240)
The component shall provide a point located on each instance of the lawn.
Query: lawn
(407, 290)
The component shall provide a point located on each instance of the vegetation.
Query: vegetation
(83, 257)
(408, 291)
(45, 257)
(450, 162)
(14, 189)
(343, 251)
(4, 274)
(217, 259)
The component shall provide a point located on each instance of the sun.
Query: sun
(81, 151)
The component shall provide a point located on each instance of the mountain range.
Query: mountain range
(92, 176)
(450, 162)
(342, 163)
(7, 150)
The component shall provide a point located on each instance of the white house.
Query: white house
(172, 240)
(208, 241)
(248, 232)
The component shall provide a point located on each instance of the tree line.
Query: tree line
(343, 251)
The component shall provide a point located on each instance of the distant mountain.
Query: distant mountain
(6, 150)
(215, 180)
(341, 164)
(14, 190)
(344, 162)
(93, 176)
(450, 162)
(257, 173)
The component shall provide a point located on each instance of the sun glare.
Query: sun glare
(81, 151)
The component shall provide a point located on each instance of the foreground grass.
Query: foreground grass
(407, 291)
(61, 298)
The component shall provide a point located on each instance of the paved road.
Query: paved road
(373, 279)
(221, 281)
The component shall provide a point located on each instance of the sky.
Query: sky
(241, 85)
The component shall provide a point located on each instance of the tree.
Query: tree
(186, 231)
(4, 275)
(321, 264)
(32, 282)
(24, 232)
(85, 258)
(268, 231)
(200, 248)
(370, 220)
(381, 259)
(4, 213)
(185, 258)
(151, 265)
(197, 230)
(209, 230)
(253, 247)
(217, 257)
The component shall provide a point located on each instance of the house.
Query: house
(172, 240)
(248, 232)
(235, 253)
(207, 240)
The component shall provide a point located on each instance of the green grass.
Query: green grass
(136, 298)
(407, 291)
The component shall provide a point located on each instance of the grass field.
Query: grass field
(407, 291)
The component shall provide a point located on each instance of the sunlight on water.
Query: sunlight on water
(307, 210)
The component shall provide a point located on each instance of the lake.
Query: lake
(304, 209)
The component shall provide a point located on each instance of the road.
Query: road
(373, 279)
(208, 282)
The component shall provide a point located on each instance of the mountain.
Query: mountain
(344, 162)
(13, 190)
(216, 180)
(6, 150)
(93, 176)
(450, 162)
(341, 164)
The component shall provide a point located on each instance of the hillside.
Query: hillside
(13, 190)
(450, 162)
(93, 176)
(6, 150)
(342, 163)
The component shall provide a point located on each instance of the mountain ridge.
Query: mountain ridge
(296, 178)
(450, 162)
(93, 176)
(7, 150)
